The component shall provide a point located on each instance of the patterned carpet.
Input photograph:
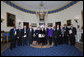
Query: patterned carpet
(60, 50)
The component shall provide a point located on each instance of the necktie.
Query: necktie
(25, 30)
(15, 31)
(19, 29)
(57, 28)
(30, 30)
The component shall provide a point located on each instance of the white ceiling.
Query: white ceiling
(34, 5)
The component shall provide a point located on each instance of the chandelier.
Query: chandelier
(42, 12)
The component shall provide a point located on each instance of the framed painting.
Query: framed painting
(11, 20)
(41, 24)
(68, 22)
(33, 24)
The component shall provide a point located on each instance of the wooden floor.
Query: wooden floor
(80, 46)
(6, 45)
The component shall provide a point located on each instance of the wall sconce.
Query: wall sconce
(19, 22)
(2, 18)
(76, 19)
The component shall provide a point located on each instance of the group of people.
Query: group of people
(20, 36)
(57, 35)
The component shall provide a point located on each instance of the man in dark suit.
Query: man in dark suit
(19, 36)
(30, 34)
(46, 35)
(24, 35)
(54, 36)
(57, 34)
(72, 33)
(62, 32)
(66, 34)
(13, 35)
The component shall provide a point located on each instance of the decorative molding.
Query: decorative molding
(33, 12)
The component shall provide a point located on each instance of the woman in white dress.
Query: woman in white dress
(79, 32)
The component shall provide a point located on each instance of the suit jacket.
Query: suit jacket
(37, 32)
(30, 33)
(42, 32)
(24, 33)
(54, 32)
(19, 33)
(57, 33)
(66, 31)
(12, 35)
(46, 32)
(74, 31)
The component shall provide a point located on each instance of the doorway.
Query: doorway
(57, 23)
(26, 24)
